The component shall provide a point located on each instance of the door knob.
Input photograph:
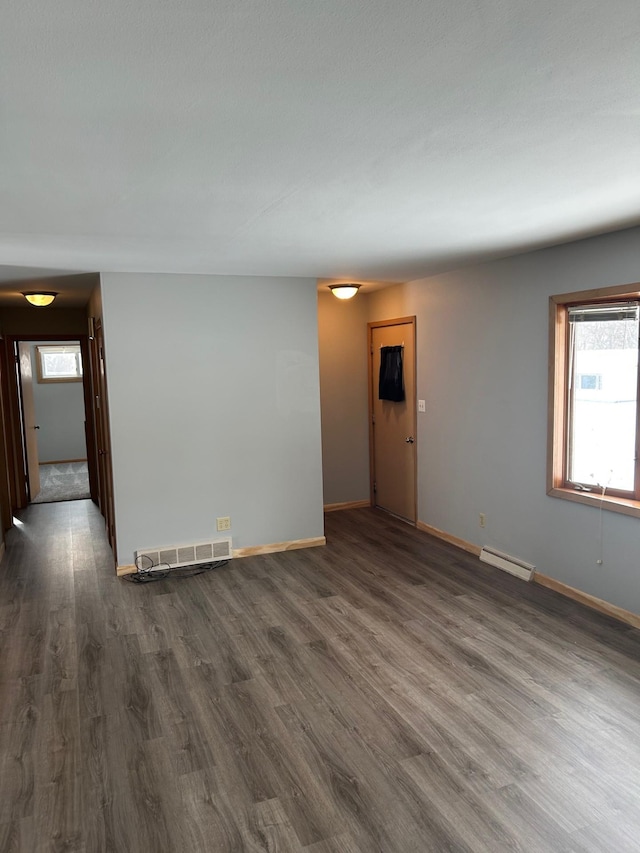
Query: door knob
(36, 427)
(409, 439)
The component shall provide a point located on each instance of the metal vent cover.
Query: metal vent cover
(513, 565)
(176, 556)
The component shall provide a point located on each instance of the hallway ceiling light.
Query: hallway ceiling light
(344, 291)
(41, 298)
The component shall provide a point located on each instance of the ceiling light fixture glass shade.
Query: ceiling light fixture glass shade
(344, 291)
(40, 298)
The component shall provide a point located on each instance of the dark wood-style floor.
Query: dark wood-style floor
(385, 693)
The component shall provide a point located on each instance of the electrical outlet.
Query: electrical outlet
(223, 523)
(421, 406)
(483, 520)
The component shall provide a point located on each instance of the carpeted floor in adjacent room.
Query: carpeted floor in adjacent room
(64, 481)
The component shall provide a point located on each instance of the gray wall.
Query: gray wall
(342, 329)
(214, 406)
(482, 443)
(60, 414)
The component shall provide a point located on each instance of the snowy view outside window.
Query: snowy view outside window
(603, 391)
(59, 362)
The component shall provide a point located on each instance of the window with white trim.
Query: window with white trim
(59, 363)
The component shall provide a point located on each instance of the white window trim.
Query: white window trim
(71, 347)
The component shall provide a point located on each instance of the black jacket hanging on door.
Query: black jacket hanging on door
(391, 384)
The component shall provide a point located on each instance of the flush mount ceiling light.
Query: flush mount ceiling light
(40, 298)
(344, 291)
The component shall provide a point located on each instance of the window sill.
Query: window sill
(611, 504)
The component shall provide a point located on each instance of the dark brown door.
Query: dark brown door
(103, 440)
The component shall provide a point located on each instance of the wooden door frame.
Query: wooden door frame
(379, 324)
(12, 428)
(13, 422)
(6, 480)
(26, 376)
(104, 470)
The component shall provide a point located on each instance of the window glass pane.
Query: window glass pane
(602, 406)
(60, 364)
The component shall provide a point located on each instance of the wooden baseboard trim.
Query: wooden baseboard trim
(605, 607)
(346, 505)
(252, 551)
(3, 548)
(62, 461)
(598, 604)
(274, 547)
(447, 537)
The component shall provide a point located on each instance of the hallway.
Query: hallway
(63, 481)
(385, 693)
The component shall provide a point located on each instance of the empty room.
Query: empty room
(341, 307)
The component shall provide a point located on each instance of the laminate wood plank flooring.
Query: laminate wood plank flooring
(385, 693)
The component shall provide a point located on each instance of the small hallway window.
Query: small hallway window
(59, 363)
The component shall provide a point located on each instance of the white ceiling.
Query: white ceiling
(370, 139)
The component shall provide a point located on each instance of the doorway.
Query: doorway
(50, 376)
(20, 377)
(392, 416)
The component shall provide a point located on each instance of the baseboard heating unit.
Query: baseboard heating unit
(178, 556)
(513, 565)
